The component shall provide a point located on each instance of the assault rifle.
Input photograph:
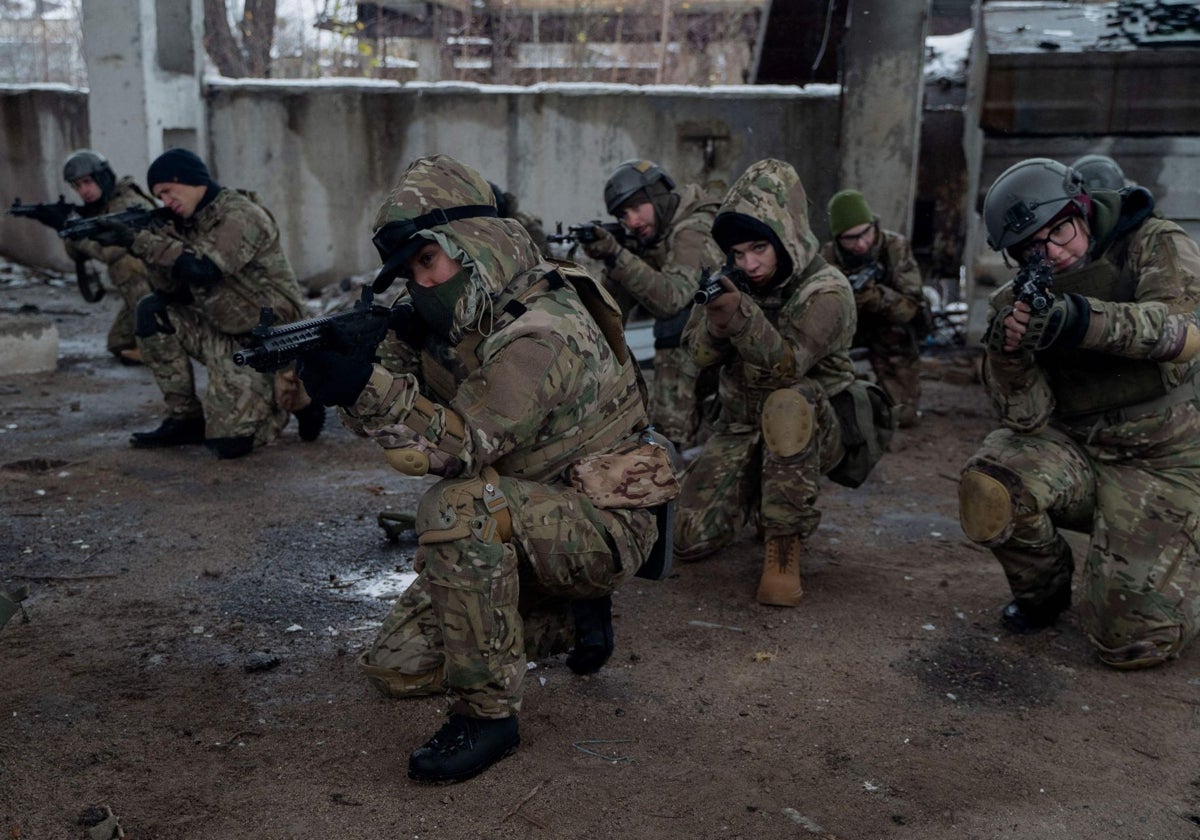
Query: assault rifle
(583, 232)
(272, 348)
(52, 215)
(1034, 283)
(872, 273)
(134, 218)
(711, 287)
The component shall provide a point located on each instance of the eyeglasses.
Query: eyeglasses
(851, 238)
(1061, 234)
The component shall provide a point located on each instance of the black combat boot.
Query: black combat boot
(464, 747)
(230, 447)
(593, 635)
(174, 431)
(311, 420)
(1023, 618)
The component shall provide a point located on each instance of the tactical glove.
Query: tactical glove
(113, 233)
(1063, 325)
(53, 215)
(408, 326)
(603, 246)
(336, 375)
(331, 378)
(150, 317)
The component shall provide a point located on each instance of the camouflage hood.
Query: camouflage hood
(769, 196)
(494, 250)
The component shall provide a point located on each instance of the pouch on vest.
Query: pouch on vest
(637, 473)
(864, 411)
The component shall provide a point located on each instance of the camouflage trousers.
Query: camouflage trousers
(128, 277)
(895, 358)
(677, 396)
(1134, 489)
(736, 476)
(237, 402)
(482, 604)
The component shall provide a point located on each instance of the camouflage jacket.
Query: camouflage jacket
(663, 277)
(897, 297)
(798, 328)
(241, 238)
(121, 264)
(529, 373)
(1159, 269)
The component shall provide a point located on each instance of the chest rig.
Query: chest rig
(1088, 382)
(444, 367)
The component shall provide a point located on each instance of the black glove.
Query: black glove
(408, 326)
(53, 215)
(113, 233)
(333, 378)
(150, 317)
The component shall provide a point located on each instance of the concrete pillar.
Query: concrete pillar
(145, 61)
(883, 86)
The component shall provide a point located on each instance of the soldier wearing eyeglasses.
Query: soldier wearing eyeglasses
(1096, 388)
(893, 316)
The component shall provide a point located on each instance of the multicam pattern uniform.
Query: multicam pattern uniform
(886, 312)
(797, 336)
(1129, 477)
(537, 388)
(127, 273)
(662, 279)
(241, 238)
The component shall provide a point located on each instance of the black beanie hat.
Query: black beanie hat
(178, 165)
(731, 229)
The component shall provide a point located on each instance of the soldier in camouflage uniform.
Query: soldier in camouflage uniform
(788, 395)
(513, 394)
(659, 269)
(1098, 397)
(893, 315)
(90, 175)
(213, 266)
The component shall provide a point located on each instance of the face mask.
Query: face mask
(436, 304)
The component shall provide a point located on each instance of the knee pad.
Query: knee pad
(457, 508)
(787, 422)
(986, 505)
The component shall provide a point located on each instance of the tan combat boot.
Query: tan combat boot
(780, 583)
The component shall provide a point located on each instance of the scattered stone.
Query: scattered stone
(260, 661)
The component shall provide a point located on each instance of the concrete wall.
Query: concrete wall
(323, 156)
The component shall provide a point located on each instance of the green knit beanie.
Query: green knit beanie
(848, 209)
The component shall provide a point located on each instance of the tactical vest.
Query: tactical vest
(443, 368)
(1090, 382)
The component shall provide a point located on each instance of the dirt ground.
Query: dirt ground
(163, 585)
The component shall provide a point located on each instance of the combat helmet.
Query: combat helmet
(1026, 197)
(631, 177)
(86, 162)
(1100, 172)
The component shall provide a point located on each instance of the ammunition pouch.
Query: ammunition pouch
(637, 473)
(668, 332)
